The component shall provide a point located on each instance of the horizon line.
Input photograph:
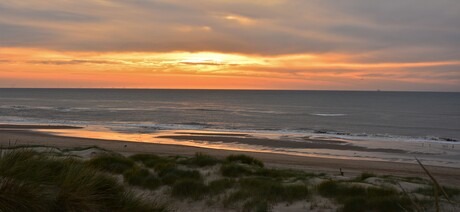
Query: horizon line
(225, 89)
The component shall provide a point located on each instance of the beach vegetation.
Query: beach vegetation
(429, 190)
(170, 175)
(150, 160)
(363, 176)
(220, 185)
(235, 170)
(282, 173)
(44, 181)
(260, 193)
(201, 160)
(113, 163)
(84, 148)
(31, 181)
(161, 165)
(19, 196)
(141, 177)
(257, 205)
(358, 198)
(245, 159)
(189, 188)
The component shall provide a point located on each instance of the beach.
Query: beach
(11, 135)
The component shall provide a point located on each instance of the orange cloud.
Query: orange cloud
(25, 67)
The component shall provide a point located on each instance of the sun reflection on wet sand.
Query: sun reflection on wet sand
(102, 133)
(256, 142)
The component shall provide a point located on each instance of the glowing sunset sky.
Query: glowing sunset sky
(231, 44)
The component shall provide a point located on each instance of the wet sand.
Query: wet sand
(280, 143)
(12, 126)
(21, 136)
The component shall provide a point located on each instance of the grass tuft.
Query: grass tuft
(364, 176)
(235, 170)
(142, 178)
(116, 164)
(81, 188)
(356, 198)
(244, 159)
(201, 160)
(260, 193)
(189, 188)
(171, 175)
(19, 196)
(39, 182)
(220, 185)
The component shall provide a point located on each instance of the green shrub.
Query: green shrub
(141, 177)
(111, 163)
(189, 188)
(244, 159)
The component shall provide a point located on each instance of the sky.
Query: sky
(407, 45)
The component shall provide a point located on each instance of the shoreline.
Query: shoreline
(24, 136)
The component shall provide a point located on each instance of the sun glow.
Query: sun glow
(40, 67)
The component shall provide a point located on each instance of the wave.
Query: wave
(60, 109)
(383, 136)
(328, 114)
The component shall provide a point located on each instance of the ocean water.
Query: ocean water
(418, 116)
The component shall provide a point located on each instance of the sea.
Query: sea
(351, 115)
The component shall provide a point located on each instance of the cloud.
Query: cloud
(376, 40)
(278, 27)
(72, 62)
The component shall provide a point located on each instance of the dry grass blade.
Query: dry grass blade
(435, 182)
(416, 206)
(437, 187)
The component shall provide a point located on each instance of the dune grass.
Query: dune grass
(273, 190)
(171, 175)
(36, 182)
(189, 188)
(201, 160)
(260, 193)
(235, 170)
(113, 163)
(19, 196)
(244, 159)
(357, 198)
(363, 176)
(221, 185)
(141, 177)
(33, 181)
(151, 160)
